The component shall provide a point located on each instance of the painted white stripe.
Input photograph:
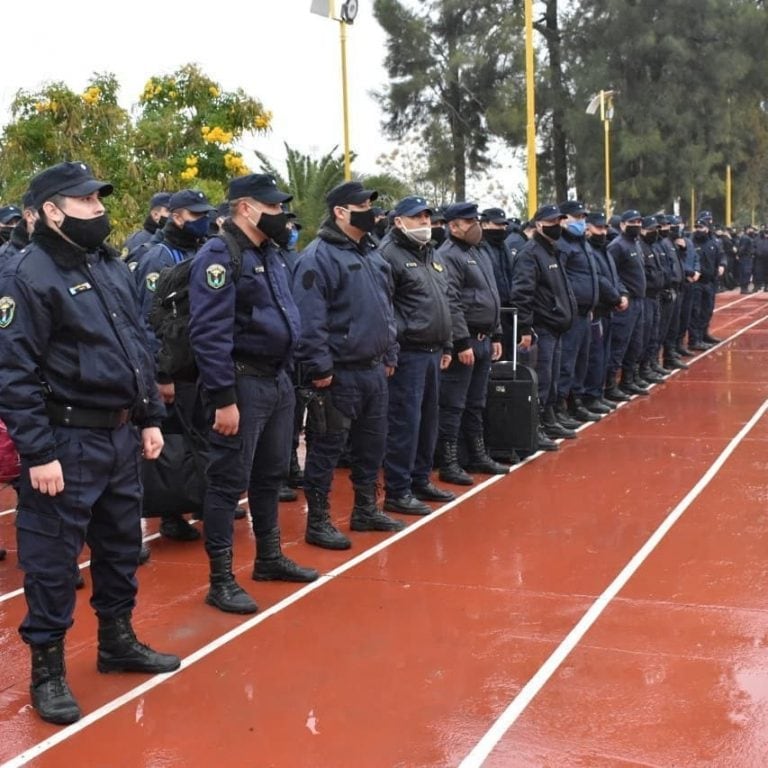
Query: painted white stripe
(206, 650)
(519, 704)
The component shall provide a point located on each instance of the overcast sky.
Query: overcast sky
(275, 50)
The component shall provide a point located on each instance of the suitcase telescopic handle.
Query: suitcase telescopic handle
(513, 312)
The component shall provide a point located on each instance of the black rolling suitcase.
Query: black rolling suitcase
(512, 411)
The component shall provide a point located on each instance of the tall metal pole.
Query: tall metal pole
(693, 206)
(345, 99)
(531, 110)
(607, 141)
(728, 196)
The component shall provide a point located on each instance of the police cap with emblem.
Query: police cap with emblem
(412, 205)
(159, 200)
(494, 216)
(72, 179)
(8, 213)
(259, 186)
(350, 193)
(192, 200)
(461, 211)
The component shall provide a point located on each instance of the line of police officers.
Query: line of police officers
(391, 342)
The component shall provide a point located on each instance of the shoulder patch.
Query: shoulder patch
(437, 266)
(7, 311)
(151, 281)
(216, 276)
(132, 265)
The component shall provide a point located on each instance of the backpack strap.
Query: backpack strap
(235, 253)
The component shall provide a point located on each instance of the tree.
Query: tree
(184, 134)
(679, 69)
(447, 63)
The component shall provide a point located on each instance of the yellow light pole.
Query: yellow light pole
(604, 102)
(530, 110)
(728, 196)
(348, 12)
(345, 98)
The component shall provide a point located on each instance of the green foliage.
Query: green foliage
(447, 62)
(182, 135)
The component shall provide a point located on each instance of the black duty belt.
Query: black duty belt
(358, 365)
(89, 418)
(265, 368)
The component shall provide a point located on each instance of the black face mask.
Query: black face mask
(651, 237)
(700, 235)
(365, 221)
(494, 236)
(598, 240)
(438, 235)
(5, 233)
(674, 232)
(87, 233)
(273, 225)
(381, 228)
(632, 231)
(552, 231)
(161, 222)
(283, 238)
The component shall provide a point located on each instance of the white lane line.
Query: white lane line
(517, 706)
(206, 650)
(106, 709)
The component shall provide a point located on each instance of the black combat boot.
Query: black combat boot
(614, 393)
(144, 554)
(544, 443)
(582, 413)
(295, 473)
(480, 461)
(2, 553)
(287, 493)
(320, 530)
(366, 516)
(225, 593)
(450, 470)
(50, 693)
(648, 374)
(552, 426)
(595, 405)
(430, 492)
(120, 651)
(272, 565)
(629, 386)
(177, 528)
(662, 370)
(563, 415)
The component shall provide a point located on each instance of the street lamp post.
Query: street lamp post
(604, 102)
(530, 110)
(348, 12)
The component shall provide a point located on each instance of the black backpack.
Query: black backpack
(169, 316)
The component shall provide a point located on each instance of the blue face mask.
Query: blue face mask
(577, 227)
(198, 228)
(293, 238)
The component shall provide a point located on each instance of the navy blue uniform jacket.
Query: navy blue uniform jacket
(70, 331)
(342, 289)
(248, 319)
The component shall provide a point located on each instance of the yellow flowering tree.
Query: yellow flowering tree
(188, 129)
(183, 132)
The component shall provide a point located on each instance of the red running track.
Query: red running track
(605, 605)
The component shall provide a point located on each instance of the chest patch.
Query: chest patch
(79, 288)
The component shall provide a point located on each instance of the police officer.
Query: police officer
(243, 328)
(348, 349)
(477, 340)
(745, 257)
(581, 272)
(423, 317)
(75, 377)
(612, 298)
(656, 281)
(673, 250)
(10, 215)
(627, 326)
(712, 260)
(21, 232)
(156, 218)
(546, 307)
(183, 233)
(493, 222)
